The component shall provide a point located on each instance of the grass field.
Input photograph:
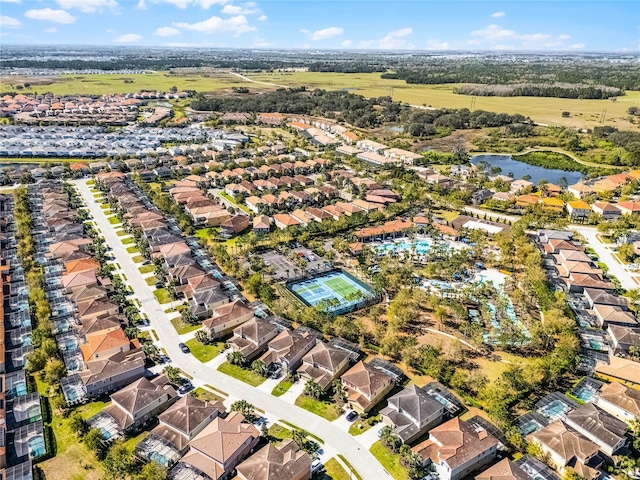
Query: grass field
(391, 462)
(334, 471)
(107, 83)
(327, 410)
(147, 269)
(138, 259)
(203, 352)
(542, 110)
(162, 294)
(244, 375)
(231, 200)
(152, 279)
(206, 396)
(128, 240)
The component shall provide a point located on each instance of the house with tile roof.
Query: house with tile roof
(620, 401)
(456, 449)
(323, 364)
(252, 337)
(600, 427)
(366, 386)
(276, 462)
(505, 469)
(227, 317)
(105, 343)
(217, 449)
(286, 350)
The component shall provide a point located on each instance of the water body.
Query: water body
(520, 169)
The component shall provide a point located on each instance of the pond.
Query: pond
(520, 169)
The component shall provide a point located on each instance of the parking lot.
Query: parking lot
(284, 267)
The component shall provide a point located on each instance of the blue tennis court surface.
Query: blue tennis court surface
(336, 292)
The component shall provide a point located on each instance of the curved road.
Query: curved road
(358, 456)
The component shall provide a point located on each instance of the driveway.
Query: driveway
(358, 456)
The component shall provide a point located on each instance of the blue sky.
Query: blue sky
(319, 24)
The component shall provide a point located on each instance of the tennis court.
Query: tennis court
(338, 292)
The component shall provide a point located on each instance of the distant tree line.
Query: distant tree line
(348, 67)
(424, 123)
(556, 90)
(630, 141)
(497, 71)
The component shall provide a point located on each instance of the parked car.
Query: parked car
(185, 387)
(159, 285)
(352, 415)
(184, 348)
(317, 466)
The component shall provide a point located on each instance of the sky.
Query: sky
(393, 25)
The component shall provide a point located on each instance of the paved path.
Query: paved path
(606, 254)
(247, 79)
(357, 455)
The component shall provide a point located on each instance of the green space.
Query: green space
(360, 426)
(324, 409)
(205, 235)
(147, 269)
(246, 376)
(121, 233)
(281, 388)
(346, 462)
(128, 240)
(334, 471)
(182, 327)
(203, 352)
(163, 295)
(152, 279)
(133, 249)
(105, 206)
(390, 461)
(113, 220)
(138, 259)
(206, 396)
(91, 182)
(279, 432)
(231, 200)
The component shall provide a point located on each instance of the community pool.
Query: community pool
(420, 246)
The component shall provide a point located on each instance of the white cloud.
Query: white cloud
(142, 5)
(237, 25)
(57, 16)
(262, 18)
(10, 1)
(167, 31)
(128, 38)
(109, 30)
(51, 30)
(325, 33)
(496, 38)
(578, 45)
(249, 8)
(205, 4)
(436, 45)
(346, 43)
(87, 6)
(304, 30)
(9, 22)
(396, 40)
(498, 14)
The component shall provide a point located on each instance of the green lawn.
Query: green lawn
(281, 388)
(327, 410)
(182, 327)
(247, 376)
(279, 432)
(114, 220)
(128, 240)
(162, 294)
(131, 442)
(152, 279)
(147, 269)
(121, 233)
(203, 352)
(91, 182)
(133, 249)
(105, 206)
(359, 426)
(206, 396)
(228, 197)
(390, 461)
(334, 471)
(138, 259)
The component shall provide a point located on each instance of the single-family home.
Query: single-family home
(323, 364)
(611, 315)
(286, 350)
(261, 224)
(284, 220)
(276, 462)
(623, 339)
(252, 337)
(600, 427)
(225, 318)
(505, 469)
(629, 207)
(366, 386)
(412, 412)
(608, 211)
(578, 210)
(623, 370)
(456, 449)
(620, 401)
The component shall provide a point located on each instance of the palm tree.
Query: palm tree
(202, 336)
(243, 407)
(236, 358)
(313, 389)
(260, 368)
(300, 437)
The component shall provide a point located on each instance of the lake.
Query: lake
(520, 169)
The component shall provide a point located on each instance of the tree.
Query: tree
(244, 407)
(77, 424)
(93, 441)
(260, 368)
(173, 374)
(152, 471)
(202, 336)
(313, 389)
(236, 358)
(118, 462)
